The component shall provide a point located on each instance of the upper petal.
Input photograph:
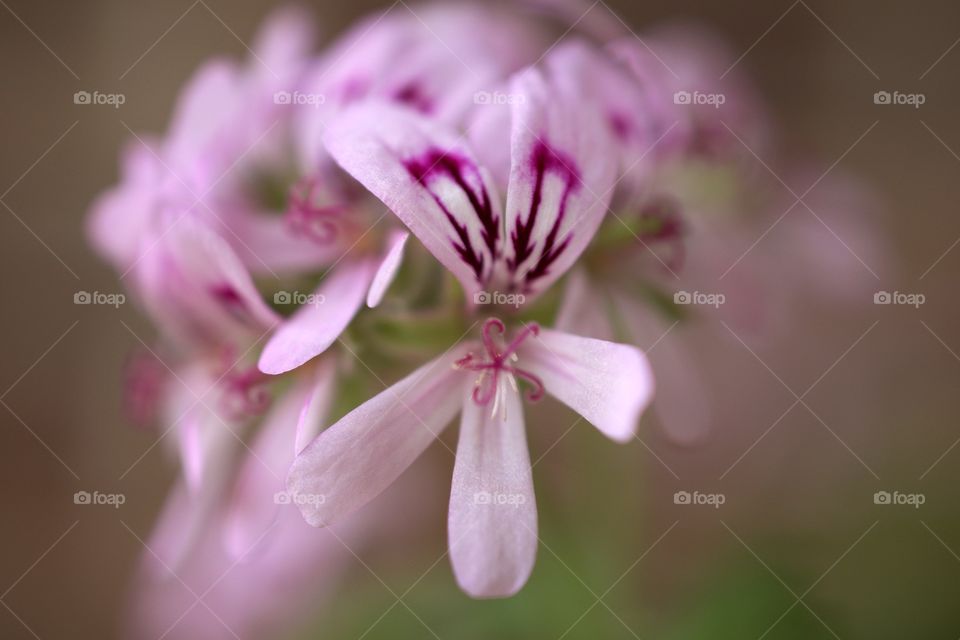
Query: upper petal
(430, 179)
(350, 463)
(319, 322)
(634, 110)
(561, 178)
(607, 383)
(492, 526)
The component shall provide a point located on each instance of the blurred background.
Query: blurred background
(847, 399)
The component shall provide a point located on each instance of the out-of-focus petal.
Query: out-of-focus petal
(205, 433)
(261, 480)
(319, 322)
(207, 441)
(633, 110)
(692, 67)
(583, 311)
(283, 42)
(198, 145)
(267, 592)
(388, 268)
(197, 289)
(350, 463)
(122, 216)
(493, 513)
(265, 243)
(426, 175)
(683, 401)
(609, 384)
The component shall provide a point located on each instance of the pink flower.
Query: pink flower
(558, 189)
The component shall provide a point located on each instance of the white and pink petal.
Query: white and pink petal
(320, 320)
(561, 179)
(430, 179)
(492, 526)
(607, 383)
(353, 461)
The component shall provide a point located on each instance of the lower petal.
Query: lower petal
(493, 512)
(350, 463)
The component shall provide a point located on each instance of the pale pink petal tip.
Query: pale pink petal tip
(609, 384)
(493, 512)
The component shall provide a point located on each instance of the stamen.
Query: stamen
(245, 390)
(308, 218)
(246, 393)
(489, 385)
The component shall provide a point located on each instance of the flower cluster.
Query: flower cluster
(267, 235)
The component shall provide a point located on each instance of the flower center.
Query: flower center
(498, 368)
(668, 228)
(307, 216)
(245, 390)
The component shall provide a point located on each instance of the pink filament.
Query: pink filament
(245, 392)
(309, 219)
(498, 362)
